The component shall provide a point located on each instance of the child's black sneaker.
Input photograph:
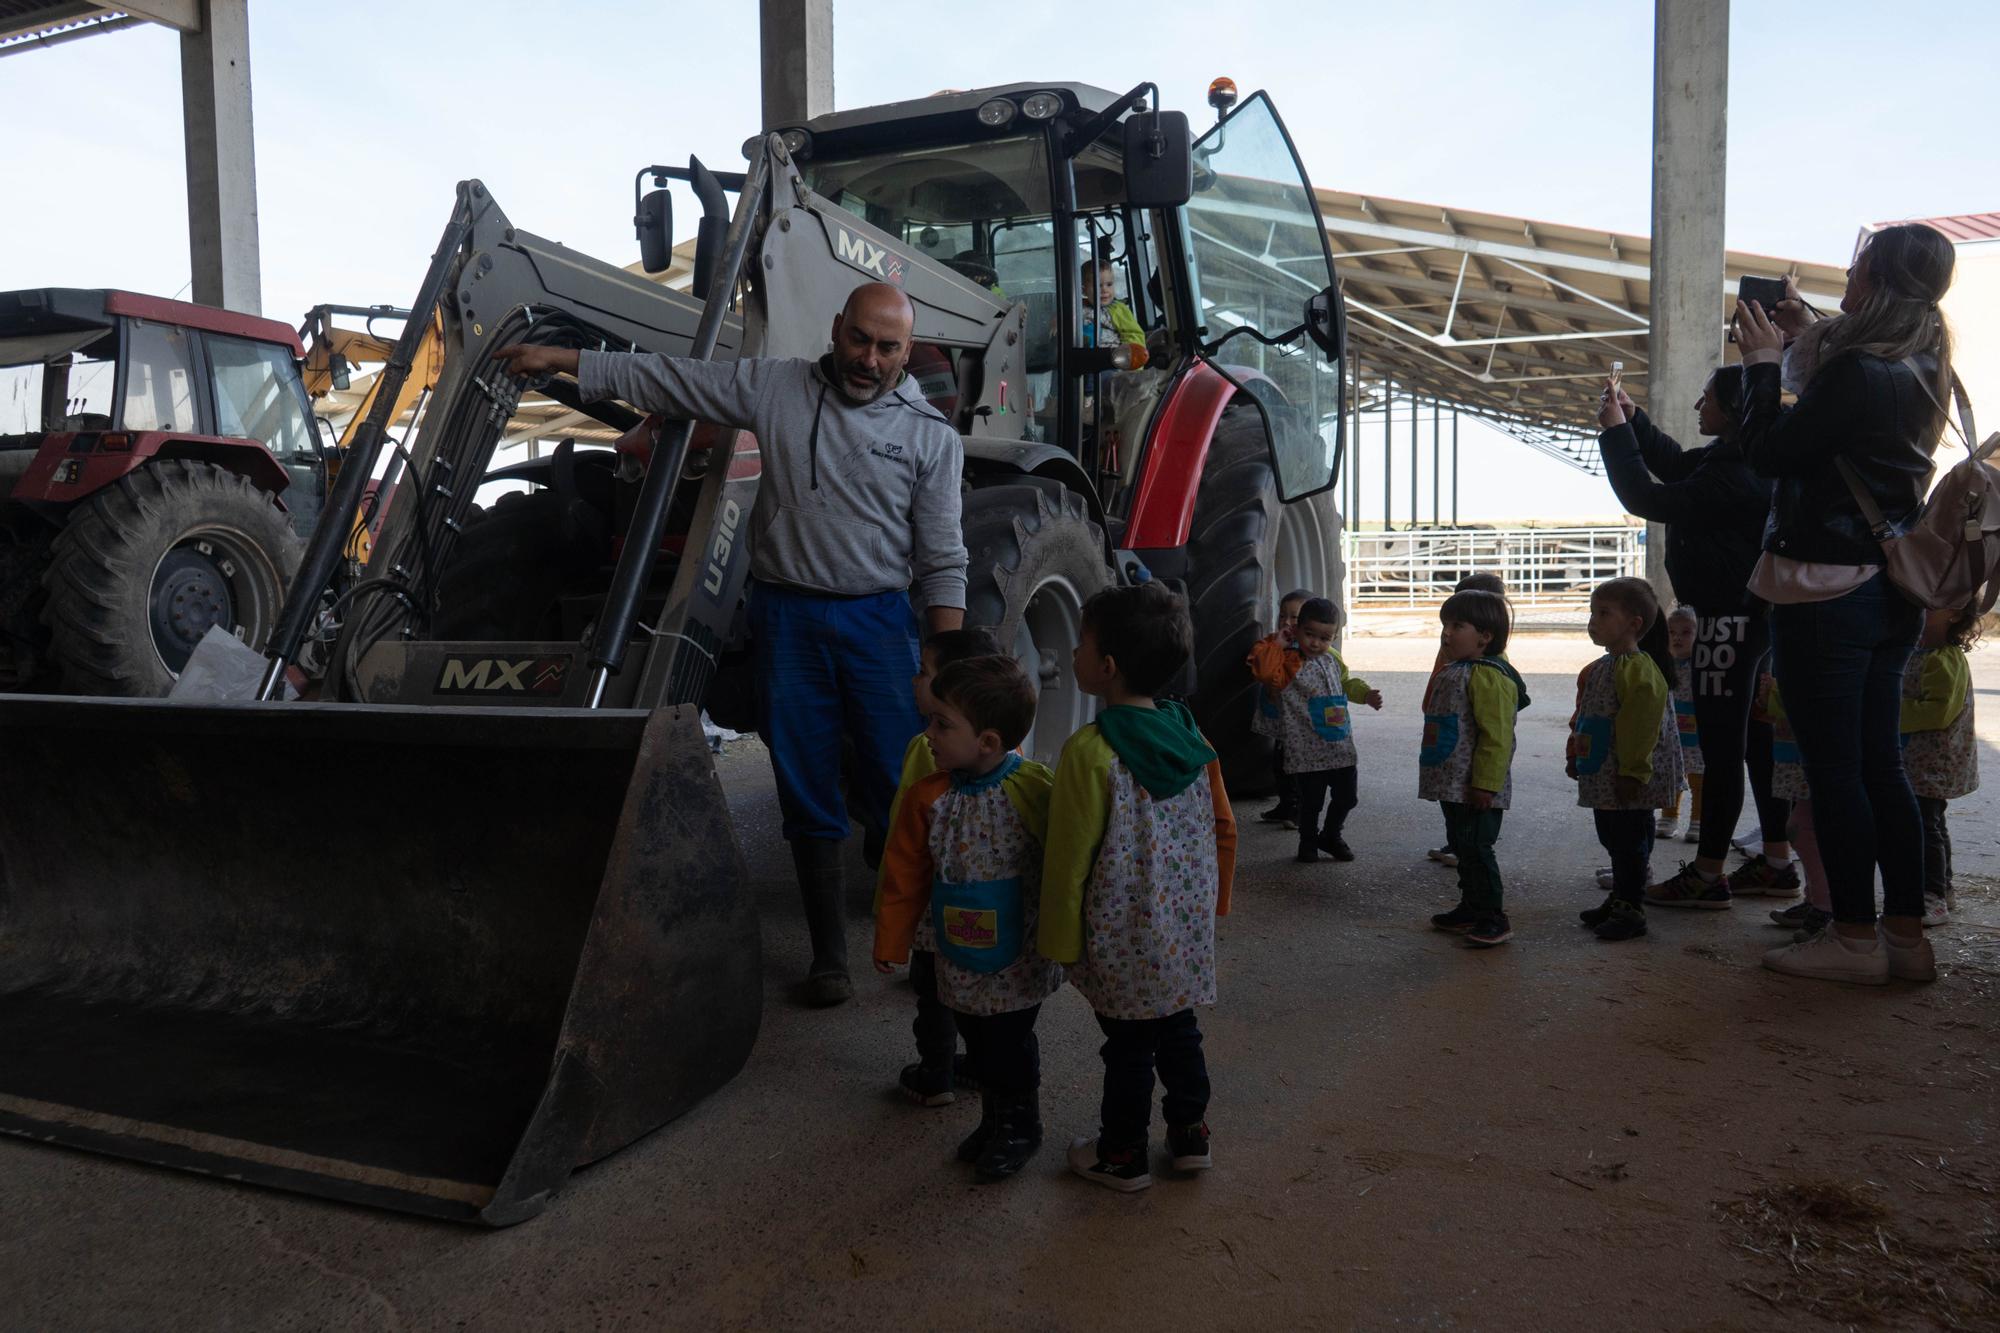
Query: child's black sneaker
(1189, 1146)
(930, 1085)
(1336, 847)
(1307, 856)
(1490, 930)
(1457, 921)
(1123, 1170)
(1757, 877)
(1791, 918)
(1596, 916)
(1281, 813)
(1626, 921)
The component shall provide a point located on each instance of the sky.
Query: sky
(1841, 112)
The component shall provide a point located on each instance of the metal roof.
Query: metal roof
(1958, 227)
(28, 25)
(1506, 318)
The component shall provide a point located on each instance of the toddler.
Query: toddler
(1681, 626)
(1268, 720)
(1319, 736)
(1938, 746)
(1478, 581)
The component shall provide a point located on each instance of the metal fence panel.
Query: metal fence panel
(1541, 566)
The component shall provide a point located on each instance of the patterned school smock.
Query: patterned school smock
(1144, 927)
(1613, 685)
(1269, 718)
(1451, 736)
(1319, 729)
(1943, 762)
(984, 834)
(1788, 771)
(1684, 717)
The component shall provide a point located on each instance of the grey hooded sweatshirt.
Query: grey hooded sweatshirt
(856, 499)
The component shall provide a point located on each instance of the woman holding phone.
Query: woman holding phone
(1875, 379)
(1714, 508)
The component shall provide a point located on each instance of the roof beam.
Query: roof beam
(182, 14)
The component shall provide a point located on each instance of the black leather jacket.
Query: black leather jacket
(1872, 412)
(1714, 507)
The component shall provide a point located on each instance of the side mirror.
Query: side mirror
(1326, 321)
(342, 373)
(655, 224)
(1159, 160)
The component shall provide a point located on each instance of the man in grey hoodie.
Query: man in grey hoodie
(856, 518)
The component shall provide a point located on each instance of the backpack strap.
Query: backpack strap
(1878, 526)
(1964, 428)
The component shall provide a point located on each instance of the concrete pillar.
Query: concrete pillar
(796, 42)
(221, 158)
(1690, 150)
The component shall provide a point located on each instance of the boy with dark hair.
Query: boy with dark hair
(966, 853)
(938, 1067)
(1478, 581)
(1141, 851)
(1467, 755)
(1269, 719)
(1315, 688)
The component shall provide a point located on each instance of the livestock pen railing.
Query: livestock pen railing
(1542, 566)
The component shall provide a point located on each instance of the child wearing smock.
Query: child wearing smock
(1939, 751)
(1477, 581)
(1269, 719)
(1467, 757)
(1625, 748)
(1682, 623)
(966, 854)
(1314, 693)
(1141, 852)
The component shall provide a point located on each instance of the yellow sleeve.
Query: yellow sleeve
(1225, 838)
(1642, 697)
(1028, 789)
(1943, 685)
(1351, 685)
(1079, 809)
(918, 764)
(907, 873)
(1124, 323)
(1494, 703)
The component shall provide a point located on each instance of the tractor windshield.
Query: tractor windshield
(981, 209)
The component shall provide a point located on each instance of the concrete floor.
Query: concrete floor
(1407, 1134)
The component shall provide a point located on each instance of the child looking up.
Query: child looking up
(1141, 851)
(1681, 626)
(1477, 581)
(938, 1068)
(1625, 749)
(1938, 746)
(1269, 719)
(1467, 756)
(1319, 736)
(966, 852)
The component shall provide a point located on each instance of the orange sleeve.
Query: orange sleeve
(1582, 681)
(1272, 664)
(907, 870)
(1225, 838)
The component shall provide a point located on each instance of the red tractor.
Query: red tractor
(144, 448)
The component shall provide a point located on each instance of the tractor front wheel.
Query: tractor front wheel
(147, 565)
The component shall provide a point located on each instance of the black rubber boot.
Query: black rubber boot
(974, 1144)
(823, 891)
(1016, 1136)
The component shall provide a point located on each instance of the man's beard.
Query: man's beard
(867, 390)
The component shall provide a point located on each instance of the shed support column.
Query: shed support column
(796, 40)
(221, 159)
(1690, 147)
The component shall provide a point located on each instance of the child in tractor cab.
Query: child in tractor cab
(939, 1067)
(1107, 321)
(965, 854)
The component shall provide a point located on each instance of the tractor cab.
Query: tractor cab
(1139, 253)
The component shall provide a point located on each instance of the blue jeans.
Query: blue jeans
(1840, 666)
(833, 670)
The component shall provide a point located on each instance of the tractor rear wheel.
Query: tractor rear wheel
(1035, 557)
(149, 563)
(510, 569)
(1246, 549)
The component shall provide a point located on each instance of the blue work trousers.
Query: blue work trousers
(834, 669)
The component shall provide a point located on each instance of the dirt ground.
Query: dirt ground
(1555, 1134)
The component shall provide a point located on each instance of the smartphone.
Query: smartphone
(1617, 373)
(1766, 292)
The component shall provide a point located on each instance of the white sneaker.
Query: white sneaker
(1828, 956)
(1910, 962)
(1694, 831)
(1937, 910)
(1667, 827)
(1604, 879)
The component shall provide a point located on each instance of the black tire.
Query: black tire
(147, 564)
(509, 570)
(1237, 558)
(1034, 558)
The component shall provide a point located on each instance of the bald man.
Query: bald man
(856, 522)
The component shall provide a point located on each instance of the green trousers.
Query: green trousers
(1472, 834)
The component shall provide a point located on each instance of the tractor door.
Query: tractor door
(1261, 258)
(259, 396)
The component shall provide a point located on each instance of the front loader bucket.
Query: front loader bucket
(427, 959)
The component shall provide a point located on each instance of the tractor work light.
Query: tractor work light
(1222, 94)
(1041, 106)
(798, 143)
(997, 112)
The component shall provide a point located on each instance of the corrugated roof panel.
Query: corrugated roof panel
(1958, 227)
